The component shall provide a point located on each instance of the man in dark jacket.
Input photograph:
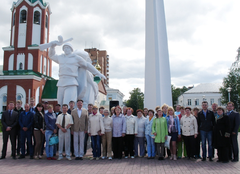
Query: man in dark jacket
(18, 109)
(9, 123)
(234, 125)
(26, 122)
(206, 121)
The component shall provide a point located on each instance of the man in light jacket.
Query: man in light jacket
(79, 128)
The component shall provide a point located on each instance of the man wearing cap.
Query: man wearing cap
(69, 66)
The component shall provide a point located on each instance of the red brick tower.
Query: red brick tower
(25, 67)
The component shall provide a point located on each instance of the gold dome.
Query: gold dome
(98, 67)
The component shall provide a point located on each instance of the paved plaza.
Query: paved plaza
(125, 166)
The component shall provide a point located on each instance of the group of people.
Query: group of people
(118, 131)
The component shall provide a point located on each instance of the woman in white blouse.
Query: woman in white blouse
(189, 131)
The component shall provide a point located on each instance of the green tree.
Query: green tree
(232, 81)
(176, 92)
(135, 100)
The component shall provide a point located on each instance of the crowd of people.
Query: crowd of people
(119, 134)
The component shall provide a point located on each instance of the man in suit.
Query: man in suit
(206, 121)
(26, 122)
(234, 125)
(79, 129)
(18, 109)
(9, 125)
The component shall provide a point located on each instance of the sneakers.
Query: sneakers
(69, 158)
(174, 157)
(104, 157)
(49, 158)
(39, 156)
(110, 158)
(97, 158)
(36, 157)
(132, 157)
(171, 157)
(126, 157)
(60, 158)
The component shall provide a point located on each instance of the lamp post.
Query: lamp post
(229, 90)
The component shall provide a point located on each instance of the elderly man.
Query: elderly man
(79, 128)
(64, 123)
(9, 126)
(69, 64)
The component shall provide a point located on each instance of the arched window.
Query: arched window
(23, 16)
(37, 17)
(20, 66)
(19, 97)
(14, 19)
(46, 22)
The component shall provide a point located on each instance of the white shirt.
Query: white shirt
(79, 111)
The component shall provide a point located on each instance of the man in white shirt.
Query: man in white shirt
(79, 128)
(64, 122)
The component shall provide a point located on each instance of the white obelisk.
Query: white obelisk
(157, 69)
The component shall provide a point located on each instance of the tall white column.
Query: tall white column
(157, 69)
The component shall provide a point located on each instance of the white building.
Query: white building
(115, 94)
(203, 92)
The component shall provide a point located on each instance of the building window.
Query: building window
(23, 16)
(189, 101)
(196, 102)
(20, 66)
(219, 102)
(37, 17)
(19, 97)
(14, 19)
(46, 25)
(211, 101)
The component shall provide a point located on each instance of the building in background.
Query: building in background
(203, 92)
(26, 68)
(101, 60)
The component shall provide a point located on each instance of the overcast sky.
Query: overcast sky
(203, 36)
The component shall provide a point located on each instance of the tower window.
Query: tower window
(37, 17)
(23, 16)
(20, 66)
(46, 22)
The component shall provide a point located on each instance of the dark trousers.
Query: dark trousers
(223, 154)
(12, 135)
(117, 147)
(72, 147)
(85, 143)
(189, 141)
(197, 145)
(26, 135)
(233, 150)
(129, 142)
(18, 140)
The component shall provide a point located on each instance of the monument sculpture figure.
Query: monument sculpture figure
(75, 74)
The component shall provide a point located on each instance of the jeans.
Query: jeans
(96, 145)
(49, 149)
(206, 135)
(150, 146)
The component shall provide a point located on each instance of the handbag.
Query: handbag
(167, 142)
(53, 140)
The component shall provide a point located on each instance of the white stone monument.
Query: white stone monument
(157, 69)
(75, 73)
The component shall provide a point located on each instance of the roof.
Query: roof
(205, 88)
(50, 90)
(26, 72)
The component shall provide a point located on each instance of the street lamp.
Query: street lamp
(229, 90)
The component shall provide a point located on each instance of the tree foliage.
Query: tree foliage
(176, 92)
(135, 100)
(232, 81)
